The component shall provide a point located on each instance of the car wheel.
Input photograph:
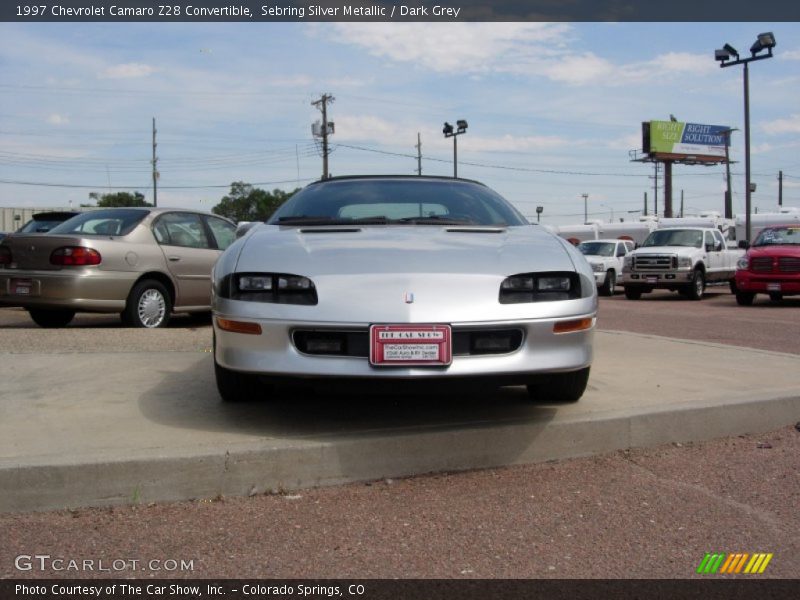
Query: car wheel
(632, 293)
(744, 298)
(149, 305)
(609, 284)
(237, 387)
(51, 318)
(775, 296)
(698, 285)
(732, 284)
(560, 387)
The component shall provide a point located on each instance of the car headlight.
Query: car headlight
(277, 288)
(597, 267)
(684, 262)
(742, 264)
(627, 262)
(539, 287)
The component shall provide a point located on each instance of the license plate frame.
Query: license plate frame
(21, 287)
(403, 345)
(773, 287)
(651, 278)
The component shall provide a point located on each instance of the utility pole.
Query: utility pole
(780, 188)
(645, 204)
(681, 204)
(155, 166)
(419, 154)
(322, 104)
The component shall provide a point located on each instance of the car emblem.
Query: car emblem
(409, 298)
(32, 248)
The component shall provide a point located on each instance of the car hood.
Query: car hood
(776, 250)
(402, 249)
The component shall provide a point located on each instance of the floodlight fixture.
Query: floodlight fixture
(462, 125)
(731, 50)
(447, 130)
(764, 41)
(721, 55)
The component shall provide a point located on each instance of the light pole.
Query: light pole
(585, 208)
(450, 131)
(764, 41)
(728, 193)
(611, 209)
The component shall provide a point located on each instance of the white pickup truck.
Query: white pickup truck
(606, 258)
(683, 259)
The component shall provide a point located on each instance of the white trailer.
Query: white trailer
(785, 215)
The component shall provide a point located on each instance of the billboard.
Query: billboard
(685, 139)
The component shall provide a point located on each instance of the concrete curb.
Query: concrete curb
(186, 445)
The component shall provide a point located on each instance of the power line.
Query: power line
(137, 187)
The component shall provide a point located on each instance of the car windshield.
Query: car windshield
(408, 201)
(779, 236)
(675, 237)
(117, 221)
(597, 248)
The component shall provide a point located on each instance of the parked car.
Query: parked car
(771, 265)
(606, 258)
(44, 221)
(144, 263)
(402, 278)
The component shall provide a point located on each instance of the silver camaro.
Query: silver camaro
(397, 278)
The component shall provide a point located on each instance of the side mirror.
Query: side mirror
(744, 244)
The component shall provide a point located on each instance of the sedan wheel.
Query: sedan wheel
(51, 318)
(149, 305)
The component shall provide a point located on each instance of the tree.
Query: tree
(119, 199)
(246, 203)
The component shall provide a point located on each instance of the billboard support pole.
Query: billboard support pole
(668, 189)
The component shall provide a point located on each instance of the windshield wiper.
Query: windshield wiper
(322, 220)
(436, 220)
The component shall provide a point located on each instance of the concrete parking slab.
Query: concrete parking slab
(93, 429)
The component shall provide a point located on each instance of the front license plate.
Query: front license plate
(410, 345)
(773, 287)
(21, 287)
(652, 279)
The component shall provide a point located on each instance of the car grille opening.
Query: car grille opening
(355, 343)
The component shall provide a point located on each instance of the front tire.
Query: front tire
(560, 387)
(698, 285)
(52, 318)
(744, 298)
(632, 293)
(609, 284)
(775, 296)
(149, 305)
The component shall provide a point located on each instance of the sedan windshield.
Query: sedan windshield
(779, 236)
(597, 248)
(675, 237)
(398, 201)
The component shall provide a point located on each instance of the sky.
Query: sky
(554, 109)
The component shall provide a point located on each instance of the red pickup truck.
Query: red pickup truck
(771, 265)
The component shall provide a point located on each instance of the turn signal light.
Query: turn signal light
(239, 326)
(574, 325)
(75, 256)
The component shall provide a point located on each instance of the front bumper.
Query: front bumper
(273, 353)
(765, 283)
(657, 279)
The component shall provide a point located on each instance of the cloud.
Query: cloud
(56, 119)
(451, 47)
(790, 55)
(127, 71)
(780, 126)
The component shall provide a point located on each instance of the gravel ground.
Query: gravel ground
(638, 513)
